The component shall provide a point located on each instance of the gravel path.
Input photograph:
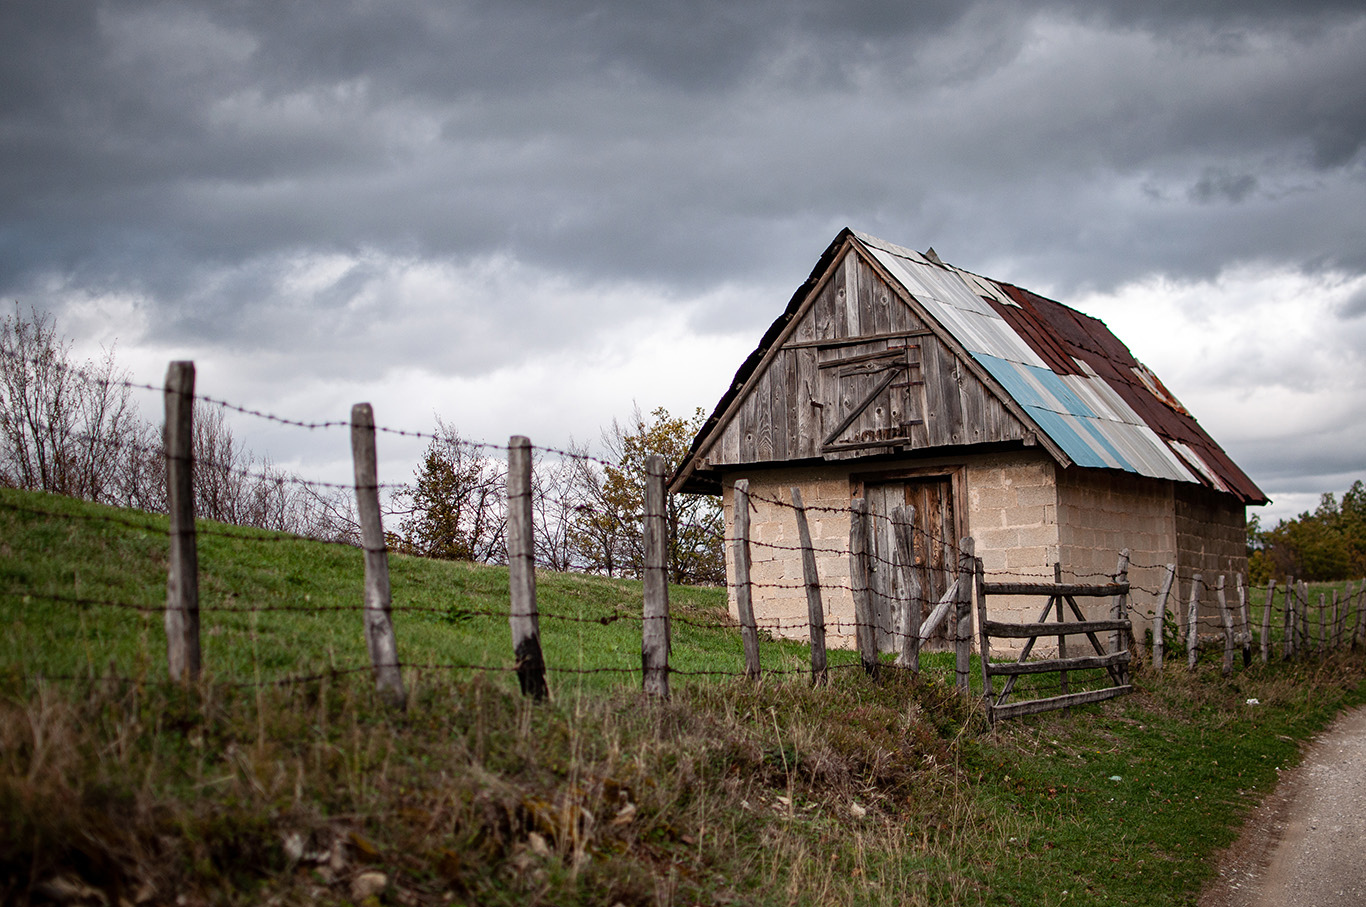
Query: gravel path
(1304, 844)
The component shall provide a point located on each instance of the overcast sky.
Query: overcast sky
(525, 217)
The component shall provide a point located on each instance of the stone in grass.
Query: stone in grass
(368, 884)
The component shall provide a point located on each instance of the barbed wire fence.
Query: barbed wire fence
(893, 607)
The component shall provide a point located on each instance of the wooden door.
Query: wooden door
(935, 552)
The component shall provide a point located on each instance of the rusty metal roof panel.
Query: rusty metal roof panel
(1079, 383)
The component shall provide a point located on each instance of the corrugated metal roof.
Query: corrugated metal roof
(1072, 376)
(1070, 373)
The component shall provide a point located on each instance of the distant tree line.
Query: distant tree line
(73, 429)
(1326, 544)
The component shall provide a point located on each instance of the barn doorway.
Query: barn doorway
(936, 530)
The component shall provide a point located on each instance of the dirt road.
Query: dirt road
(1304, 844)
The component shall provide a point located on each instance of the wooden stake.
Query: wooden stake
(864, 632)
(655, 629)
(1245, 633)
(1063, 686)
(903, 523)
(983, 638)
(1226, 618)
(815, 610)
(379, 625)
(1266, 621)
(1192, 623)
(182, 575)
(744, 601)
(1160, 618)
(1119, 607)
(1291, 621)
(967, 574)
(523, 617)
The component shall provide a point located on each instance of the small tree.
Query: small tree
(456, 505)
(610, 534)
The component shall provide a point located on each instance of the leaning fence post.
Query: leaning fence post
(379, 625)
(1266, 621)
(864, 632)
(1192, 623)
(903, 524)
(654, 636)
(523, 617)
(1119, 606)
(967, 574)
(182, 575)
(1160, 618)
(1226, 620)
(815, 611)
(744, 591)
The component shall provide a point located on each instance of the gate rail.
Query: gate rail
(1115, 661)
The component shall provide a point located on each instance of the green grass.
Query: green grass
(887, 791)
(276, 608)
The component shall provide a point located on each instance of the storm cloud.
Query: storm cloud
(457, 190)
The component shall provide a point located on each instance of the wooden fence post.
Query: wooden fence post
(1323, 626)
(1226, 620)
(1339, 614)
(379, 625)
(182, 574)
(1119, 606)
(1266, 621)
(967, 575)
(815, 610)
(1193, 623)
(523, 616)
(903, 523)
(1291, 621)
(1063, 686)
(1245, 634)
(1361, 602)
(1160, 618)
(865, 633)
(1302, 609)
(655, 630)
(744, 591)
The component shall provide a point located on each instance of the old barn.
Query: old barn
(997, 413)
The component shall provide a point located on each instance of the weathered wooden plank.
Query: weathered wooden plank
(1193, 623)
(786, 427)
(938, 417)
(963, 622)
(903, 519)
(1160, 618)
(815, 612)
(655, 630)
(832, 343)
(523, 616)
(1075, 589)
(1045, 666)
(763, 418)
(809, 404)
(1036, 706)
(379, 624)
(853, 326)
(744, 601)
(859, 578)
(999, 630)
(1266, 620)
(181, 619)
(1226, 621)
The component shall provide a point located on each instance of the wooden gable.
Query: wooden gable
(858, 371)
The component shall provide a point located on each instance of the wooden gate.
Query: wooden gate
(1115, 661)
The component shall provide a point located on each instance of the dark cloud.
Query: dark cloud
(185, 151)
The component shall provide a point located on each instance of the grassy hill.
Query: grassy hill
(282, 779)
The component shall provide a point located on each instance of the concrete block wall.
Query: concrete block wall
(776, 572)
(1102, 512)
(1211, 535)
